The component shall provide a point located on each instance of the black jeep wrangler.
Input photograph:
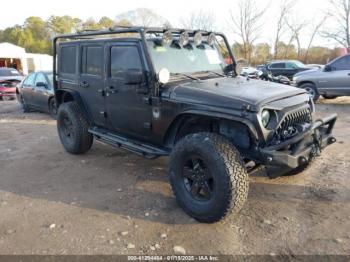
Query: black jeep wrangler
(168, 92)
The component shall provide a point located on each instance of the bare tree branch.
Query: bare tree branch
(285, 9)
(200, 20)
(341, 14)
(246, 24)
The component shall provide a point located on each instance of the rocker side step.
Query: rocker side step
(139, 148)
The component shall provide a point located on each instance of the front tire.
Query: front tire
(312, 90)
(72, 127)
(25, 107)
(208, 177)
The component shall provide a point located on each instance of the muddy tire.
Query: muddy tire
(208, 177)
(312, 90)
(72, 127)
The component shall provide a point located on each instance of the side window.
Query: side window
(68, 61)
(341, 64)
(91, 63)
(278, 65)
(124, 58)
(40, 77)
(291, 65)
(29, 81)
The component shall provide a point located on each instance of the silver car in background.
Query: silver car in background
(331, 81)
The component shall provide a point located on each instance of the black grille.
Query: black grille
(293, 123)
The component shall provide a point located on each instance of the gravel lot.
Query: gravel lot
(110, 201)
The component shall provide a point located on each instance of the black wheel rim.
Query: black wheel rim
(67, 128)
(197, 178)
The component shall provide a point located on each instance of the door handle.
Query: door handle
(84, 84)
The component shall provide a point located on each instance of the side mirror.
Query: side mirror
(229, 69)
(134, 77)
(41, 84)
(327, 68)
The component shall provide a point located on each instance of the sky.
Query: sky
(311, 10)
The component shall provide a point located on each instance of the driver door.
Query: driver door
(128, 109)
(336, 81)
(41, 93)
(28, 88)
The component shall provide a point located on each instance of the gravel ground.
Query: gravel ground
(110, 201)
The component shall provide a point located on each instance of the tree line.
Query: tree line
(245, 22)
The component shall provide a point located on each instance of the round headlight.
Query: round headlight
(211, 39)
(167, 38)
(265, 117)
(197, 39)
(184, 39)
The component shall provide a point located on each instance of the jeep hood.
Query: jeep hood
(232, 92)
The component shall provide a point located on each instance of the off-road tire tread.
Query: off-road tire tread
(85, 139)
(230, 158)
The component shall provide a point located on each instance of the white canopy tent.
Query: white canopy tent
(28, 62)
(11, 51)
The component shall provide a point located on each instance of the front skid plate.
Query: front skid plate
(321, 134)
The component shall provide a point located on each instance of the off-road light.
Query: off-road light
(184, 39)
(167, 38)
(197, 39)
(265, 117)
(211, 39)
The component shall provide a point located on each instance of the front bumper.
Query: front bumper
(302, 148)
(2, 94)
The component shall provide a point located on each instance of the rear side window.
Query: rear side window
(124, 58)
(68, 59)
(342, 64)
(91, 63)
(290, 65)
(278, 65)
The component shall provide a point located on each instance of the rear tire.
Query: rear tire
(312, 90)
(72, 127)
(208, 177)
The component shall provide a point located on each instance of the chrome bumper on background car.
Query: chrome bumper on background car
(303, 147)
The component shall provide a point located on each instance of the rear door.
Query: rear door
(336, 81)
(91, 80)
(27, 89)
(128, 108)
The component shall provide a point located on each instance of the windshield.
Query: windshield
(299, 64)
(189, 59)
(9, 72)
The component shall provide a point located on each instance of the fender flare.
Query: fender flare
(76, 97)
(176, 123)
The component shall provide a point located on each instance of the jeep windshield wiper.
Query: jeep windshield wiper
(212, 72)
(186, 75)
